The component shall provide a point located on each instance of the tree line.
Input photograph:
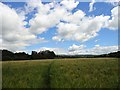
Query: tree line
(8, 55)
(112, 54)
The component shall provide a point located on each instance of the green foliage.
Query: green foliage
(61, 73)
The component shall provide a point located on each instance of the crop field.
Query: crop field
(61, 73)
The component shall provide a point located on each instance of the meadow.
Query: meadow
(61, 73)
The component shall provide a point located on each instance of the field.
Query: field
(61, 73)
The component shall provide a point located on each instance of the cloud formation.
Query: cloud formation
(51, 14)
(81, 50)
(96, 50)
(112, 24)
(70, 26)
(82, 30)
(69, 4)
(14, 34)
(75, 26)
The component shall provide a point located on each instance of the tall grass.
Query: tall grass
(28, 74)
(64, 73)
(86, 73)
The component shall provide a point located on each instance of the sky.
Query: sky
(65, 27)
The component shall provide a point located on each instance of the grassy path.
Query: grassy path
(47, 75)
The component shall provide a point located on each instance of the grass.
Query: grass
(61, 73)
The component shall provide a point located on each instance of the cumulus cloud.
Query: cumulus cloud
(49, 16)
(96, 50)
(69, 4)
(42, 22)
(14, 34)
(75, 26)
(84, 30)
(75, 17)
(113, 23)
(70, 26)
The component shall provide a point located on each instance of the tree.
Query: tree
(7, 55)
(43, 55)
(21, 56)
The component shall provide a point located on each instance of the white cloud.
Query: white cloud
(76, 47)
(91, 6)
(75, 17)
(84, 30)
(45, 19)
(56, 38)
(76, 50)
(49, 15)
(80, 50)
(58, 51)
(69, 4)
(75, 26)
(113, 23)
(14, 35)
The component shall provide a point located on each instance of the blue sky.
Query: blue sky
(105, 41)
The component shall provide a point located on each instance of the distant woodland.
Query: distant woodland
(7, 55)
